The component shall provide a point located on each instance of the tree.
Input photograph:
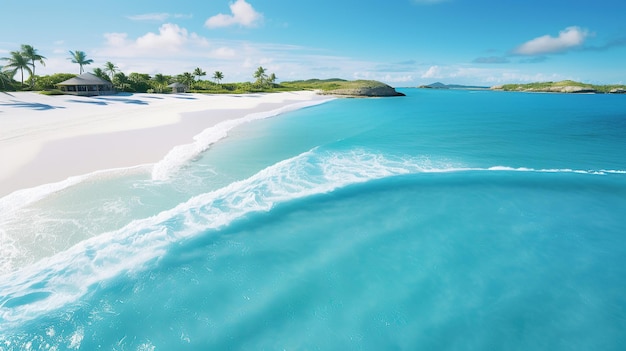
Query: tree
(121, 82)
(186, 78)
(271, 79)
(31, 53)
(160, 81)
(218, 76)
(140, 82)
(16, 62)
(111, 68)
(50, 82)
(81, 58)
(198, 72)
(260, 76)
(4, 79)
(99, 72)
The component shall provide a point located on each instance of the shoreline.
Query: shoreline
(49, 139)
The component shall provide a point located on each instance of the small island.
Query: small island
(439, 85)
(565, 86)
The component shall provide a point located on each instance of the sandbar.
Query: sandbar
(47, 139)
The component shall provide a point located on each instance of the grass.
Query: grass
(51, 92)
(331, 84)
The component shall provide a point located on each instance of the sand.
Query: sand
(47, 139)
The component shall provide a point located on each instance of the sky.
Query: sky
(400, 42)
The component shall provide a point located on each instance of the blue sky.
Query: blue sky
(400, 42)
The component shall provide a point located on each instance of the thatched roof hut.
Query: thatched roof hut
(86, 84)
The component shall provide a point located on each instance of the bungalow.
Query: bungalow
(86, 84)
(178, 87)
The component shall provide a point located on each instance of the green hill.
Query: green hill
(344, 87)
(564, 86)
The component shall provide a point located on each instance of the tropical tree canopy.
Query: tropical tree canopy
(160, 81)
(4, 79)
(99, 72)
(121, 82)
(218, 76)
(260, 76)
(31, 54)
(16, 62)
(111, 68)
(186, 78)
(81, 58)
(198, 72)
(271, 79)
(51, 81)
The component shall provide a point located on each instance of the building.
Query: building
(86, 84)
(178, 87)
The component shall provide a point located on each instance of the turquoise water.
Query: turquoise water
(444, 220)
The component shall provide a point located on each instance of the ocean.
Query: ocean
(443, 220)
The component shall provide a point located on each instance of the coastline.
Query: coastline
(48, 139)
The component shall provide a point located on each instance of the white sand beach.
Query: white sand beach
(45, 139)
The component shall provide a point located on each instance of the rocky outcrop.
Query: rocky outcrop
(617, 91)
(571, 89)
(378, 90)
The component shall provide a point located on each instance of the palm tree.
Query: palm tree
(17, 61)
(111, 68)
(4, 79)
(160, 81)
(186, 78)
(31, 53)
(81, 58)
(218, 76)
(100, 73)
(271, 79)
(260, 76)
(198, 72)
(121, 82)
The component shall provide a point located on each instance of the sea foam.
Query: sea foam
(63, 278)
(182, 154)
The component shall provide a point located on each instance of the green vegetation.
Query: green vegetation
(327, 85)
(218, 76)
(52, 92)
(111, 69)
(559, 86)
(264, 81)
(31, 53)
(17, 62)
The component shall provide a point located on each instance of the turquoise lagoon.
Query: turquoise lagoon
(443, 220)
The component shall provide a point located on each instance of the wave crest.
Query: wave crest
(67, 276)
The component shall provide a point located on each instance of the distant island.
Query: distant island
(565, 86)
(439, 85)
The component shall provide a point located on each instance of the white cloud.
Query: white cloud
(433, 72)
(223, 53)
(170, 39)
(243, 14)
(472, 75)
(568, 38)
